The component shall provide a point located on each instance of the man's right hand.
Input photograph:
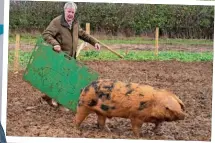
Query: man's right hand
(57, 48)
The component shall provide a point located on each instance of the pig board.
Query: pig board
(57, 75)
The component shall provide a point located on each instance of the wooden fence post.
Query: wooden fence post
(88, 32)
(156, 40)
(16, 54)
(83, 44)
(88, 28)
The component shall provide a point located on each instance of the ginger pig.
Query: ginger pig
(139, 103)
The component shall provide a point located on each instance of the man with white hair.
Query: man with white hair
(63, 33)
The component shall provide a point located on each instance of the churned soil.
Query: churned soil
(191, 82)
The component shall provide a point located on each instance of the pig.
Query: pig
(137, 102)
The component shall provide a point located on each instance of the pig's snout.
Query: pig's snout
(181, 116)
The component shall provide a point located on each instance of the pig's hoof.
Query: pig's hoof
(104, 128)
(77, 127)
(107, 129)
(158, 132)
(64, 109)
(54, 103)
(156, 129)
(138, 135)
(78, 130)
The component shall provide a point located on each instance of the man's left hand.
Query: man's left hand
(97, 46)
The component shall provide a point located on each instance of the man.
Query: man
(63, 33)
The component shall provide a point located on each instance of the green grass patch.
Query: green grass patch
(147, 55)
(26, 39)
(139, 40)
(23, 58)
(131, 56)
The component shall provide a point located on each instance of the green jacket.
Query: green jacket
(59, 33)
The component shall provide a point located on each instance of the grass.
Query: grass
(31, 39)
(147, 55)
(132, 56)
(139, 40)
(23, 58)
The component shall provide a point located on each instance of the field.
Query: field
(188, 74)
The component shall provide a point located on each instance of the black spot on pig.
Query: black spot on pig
(86, 89)
(92, 102)
(142, 105)
(109, 87)
(105, 107)
(95, 85)
(128, 92)
(104, 95)
(113, 107)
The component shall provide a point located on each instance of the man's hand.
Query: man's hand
(97, 46)
(57, 48)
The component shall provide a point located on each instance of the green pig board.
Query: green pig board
(58, 75)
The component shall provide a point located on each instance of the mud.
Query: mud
(192, 82)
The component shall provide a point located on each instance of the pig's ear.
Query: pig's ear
(179, 101)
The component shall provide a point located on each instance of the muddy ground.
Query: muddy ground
(192, 82)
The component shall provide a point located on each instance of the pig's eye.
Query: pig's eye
(167, 108)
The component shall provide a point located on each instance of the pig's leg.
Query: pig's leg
(157, 125)
(101, 123)
(82, 113)
(157, 128)
(136, 126)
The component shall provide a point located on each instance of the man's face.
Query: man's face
(69, 14)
